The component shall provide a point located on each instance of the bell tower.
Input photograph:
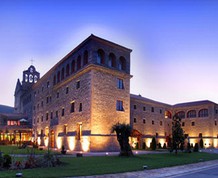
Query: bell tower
(23, 91)
(30, 76)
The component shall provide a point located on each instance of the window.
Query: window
(200, 135)
(119, 105)
(54, 80)
(85, 57)
(47, 116)
(181, 114)
(79, 131)
(183, 124)
(47, 99)
(161, 123)
(80, 107)
(48, 84)
(168, 114)
(62, 113)
(144, 121)
(134, 120)
(144, 108)
(193, 123)
(62, 74)
(203, 113)
(57, 94)
(152, 122)
(42, 104)
(72, 107)
(191, 114)
(58, 77)
(160, 111)
(37, 120)
(77, 84)
(51, 115)
(122, 63)
(67, 90)
(67, 70)
(79, 62)
(152, 109)
(42, 119)
(215, 123)
(120, 84)
(134, 106)
(72, 66)
(112, 60)
(56, 114)
(100, 56)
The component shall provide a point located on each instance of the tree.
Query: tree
(153, 144)
(123, 132)
(177, 133)
(201, 143)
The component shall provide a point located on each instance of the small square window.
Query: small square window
(120, 84)
(215, 123)
(152, 122)
(72, 107)
(144, 121)
(144, 108)
(152, 109)
(193, 123)
(62, 113)
(77, 84)
(161, 123)
(57, 94)
(80, 107)
(183, 124)
(67, 90)
(47, 116)
(119, 105)
(134, 106)
(134, 120)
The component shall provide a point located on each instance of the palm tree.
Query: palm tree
(123, 132)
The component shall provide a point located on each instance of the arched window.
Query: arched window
(67, 70)
(181, 114)
(85, 58)
(100, 56)
(168, 115)
(122, 63)
(191, 114)
(78, 62)
(72, 66)
(59, 77)
(62, 73)
(54, 80)
(203, 113)
(112, 60)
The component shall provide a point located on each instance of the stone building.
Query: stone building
(78, 100)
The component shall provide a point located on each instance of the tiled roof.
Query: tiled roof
(194, 103)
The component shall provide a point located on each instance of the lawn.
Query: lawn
(83, 166)
(16, 150)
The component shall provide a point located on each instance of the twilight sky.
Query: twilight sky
(174, 43)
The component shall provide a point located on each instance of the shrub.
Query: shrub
(159, 145)
(137, 145)
(196, 148)
(201, 143)
(144, 146)
(153, 144)
(164, 146)
(6, 161)
(188, 148)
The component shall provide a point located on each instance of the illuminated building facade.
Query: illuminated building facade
(78, 100)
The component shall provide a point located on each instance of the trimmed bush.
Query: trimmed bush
(144, 146)
(6, 161)
(201, 143)
(196, 148)
(153, 144)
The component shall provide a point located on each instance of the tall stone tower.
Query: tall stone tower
(23, 92)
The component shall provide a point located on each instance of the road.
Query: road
(211, 172)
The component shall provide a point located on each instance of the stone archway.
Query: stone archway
(136, 134)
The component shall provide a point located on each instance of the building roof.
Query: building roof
(194, 103)
(139, 97)
(91, 37)
(6, 109)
